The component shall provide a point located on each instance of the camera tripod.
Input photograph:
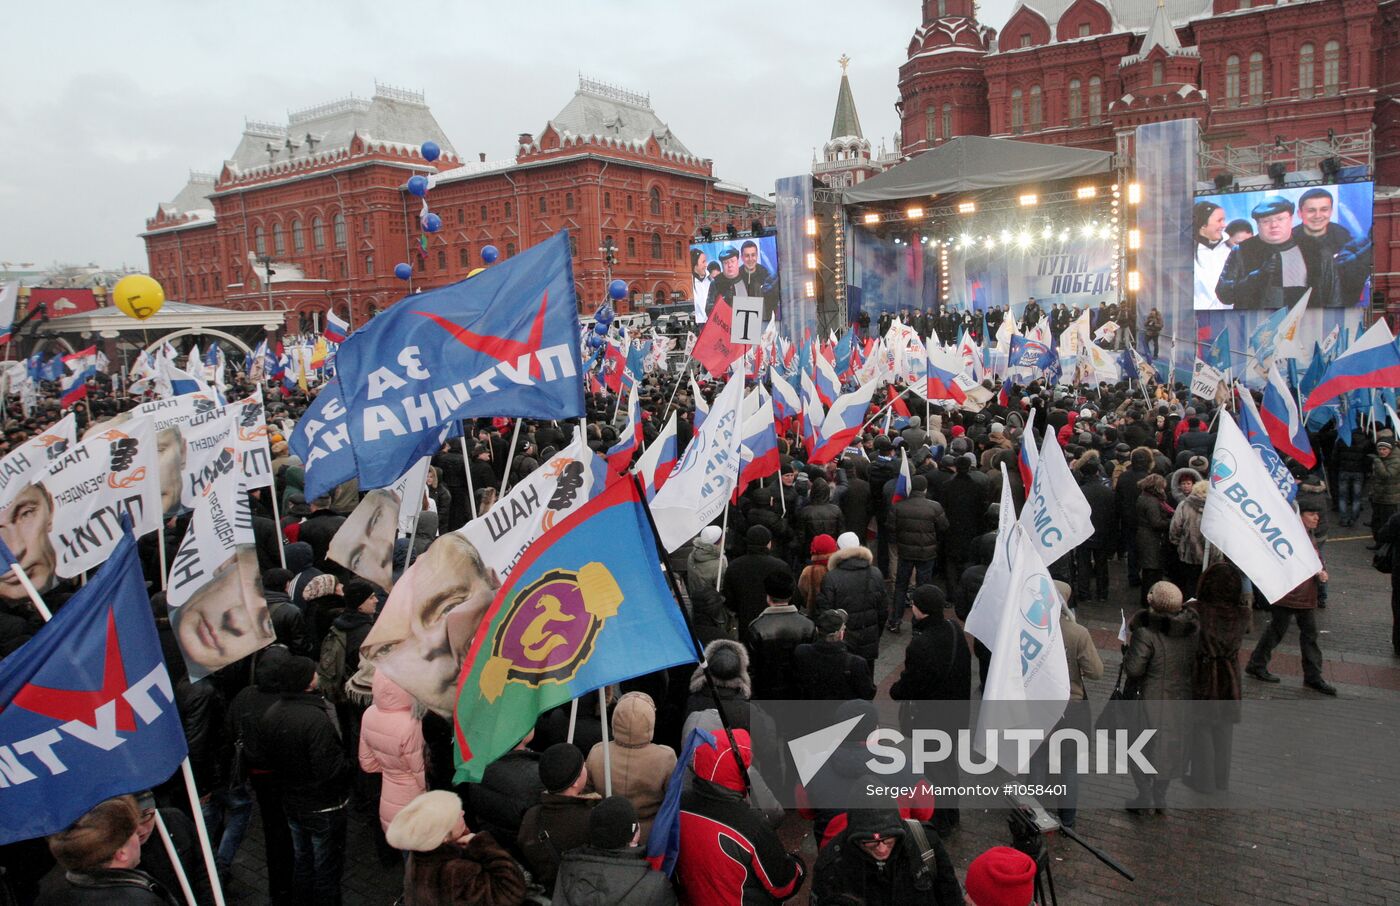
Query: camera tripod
(1029, 824)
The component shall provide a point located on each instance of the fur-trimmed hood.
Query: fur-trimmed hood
(1183, 623)
(723, 653)
(858, 557)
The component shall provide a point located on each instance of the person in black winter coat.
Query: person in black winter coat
(1093, 554)
(1125, 495)
(856, 503)
(875, 861)
(854, 585)
(318, 529)
(729, 668)
(101, 854)
(825, 669)
(917, 524)
(612, 869)
(763, 510)
(772, 638)
(819, 517)
(510, 785)
(299, 563)
(313, 774)
(964, 504)
(743, 580)
(253, 760)
(288, 624)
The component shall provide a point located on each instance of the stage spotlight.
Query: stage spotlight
(1088, 231)
(1029, 200)
(967, 207)
(914, 213)
(1223, 181)
(707, 234)
(1105, 231)
(1134, 193)
(991, 242)
(965, 241)
(731, 230)
(811, 226)
(1087, 192)
(1134, 281)
(1277, 171)
(872, 218)
(1005, 236)
(1047, 232)
(811, 287)
(1064, 235)
(1330, 166)
(1023, 239)
(1134, 239)
(811, 261)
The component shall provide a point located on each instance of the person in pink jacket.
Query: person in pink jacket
(391, 743)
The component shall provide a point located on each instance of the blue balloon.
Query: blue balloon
(617, 290)
(431, 151)
(489, 254)
(418, 185)
(432, 222)
(403, 271)
(600, 328)
(604, 314)
(594, 341)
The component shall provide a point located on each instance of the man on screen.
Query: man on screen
(1274, 268)
(728, 284)
(756, 278)
(1351, 256)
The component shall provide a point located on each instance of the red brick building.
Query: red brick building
(322, 202)
(1269, 82)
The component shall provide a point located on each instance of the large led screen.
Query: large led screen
(1264, 249)
(734, 267)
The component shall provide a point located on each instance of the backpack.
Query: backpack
(330, 670)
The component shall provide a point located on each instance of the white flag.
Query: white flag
(1249, 520)
(28, 459)
(701, 484)
(984, 619)
(1123, 634)
(1288, 342)
(1056, 514)
(92, 485)
(1027, 684)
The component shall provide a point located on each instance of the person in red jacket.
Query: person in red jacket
(728, 855)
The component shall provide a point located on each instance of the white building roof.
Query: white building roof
(608, 112)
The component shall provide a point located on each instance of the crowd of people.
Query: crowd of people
(813, 568)
(951, 322)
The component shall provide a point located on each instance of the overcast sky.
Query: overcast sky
(108, 106)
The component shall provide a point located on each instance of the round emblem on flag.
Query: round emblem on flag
(1222, 467)
(1042, 606)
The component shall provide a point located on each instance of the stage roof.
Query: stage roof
(971, 162)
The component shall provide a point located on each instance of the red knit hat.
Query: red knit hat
(823, 545)
(1001, 876)
(716, 763)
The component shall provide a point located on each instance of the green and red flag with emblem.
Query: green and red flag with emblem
(586, 606)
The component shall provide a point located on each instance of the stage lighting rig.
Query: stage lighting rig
(967, 207)
(707, 234)
(914, 213)
(872, 218)
(1134, 193)
(811, 226)
(732, 230)
(1029, 200)
(1087, 192)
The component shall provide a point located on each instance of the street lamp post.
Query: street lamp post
(609, 250)
(268, 271)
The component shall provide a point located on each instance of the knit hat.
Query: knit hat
(847, 540)
(1164, 597)
(295, 673)
(1384, 443)
(318, 587)
(1199, 463)
(559, 766)
(823, 545)
(612, 823)
(423, 825)
(757, 534)
(1001, 876)
(998, 428)
(724, 662)
(711, 534)
(778, 586)
(829, 621)
(929, 599)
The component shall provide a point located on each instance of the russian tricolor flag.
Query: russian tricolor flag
(758, 443)
(1283, 422)
(827, 383)
(1372, 361)
(902, 481)
(813, 414)
(659, 460)
(702, 408)
(942, 378)
(787, 403)
(842, 423)
(9, 297)
(620, 455)
(82, 365)
(336, 329)
(1029, 457)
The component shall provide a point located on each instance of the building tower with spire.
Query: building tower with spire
(846, 157)
(942, 86)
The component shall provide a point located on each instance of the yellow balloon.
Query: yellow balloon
(474, 272)
(138, 296)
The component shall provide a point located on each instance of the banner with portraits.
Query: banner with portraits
(364, 543)
(20, 466)
(83, 494)
(425, 628)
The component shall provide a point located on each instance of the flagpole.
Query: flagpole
(881, 411)
(723, 530)
(467, 467)
(510, 457)
(160, 543)
(603, 723)
(573, 721)
(662, 557)
(174, 859)
(30, 590)
(203, 832)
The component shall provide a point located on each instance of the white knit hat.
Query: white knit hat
(710, 534)
(847, 540)
(424, 823)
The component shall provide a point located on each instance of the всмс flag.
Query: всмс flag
(87, 709)
(573, 616)
(504, 343)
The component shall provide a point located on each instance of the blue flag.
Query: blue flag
(664, 841)
(87, 709)
(504, 342)
(321, 440)
(1219, 355)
